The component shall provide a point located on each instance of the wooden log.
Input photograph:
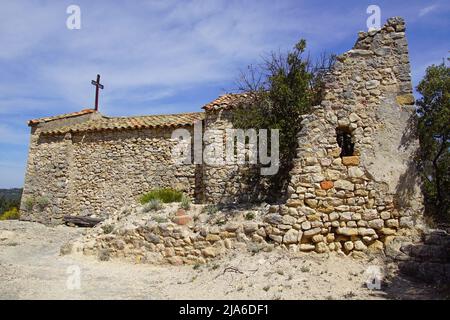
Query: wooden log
(82, 221)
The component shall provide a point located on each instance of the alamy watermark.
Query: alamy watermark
(73, 21)
(374, 276)
(217, 147)
(73, 281)
(374, 20)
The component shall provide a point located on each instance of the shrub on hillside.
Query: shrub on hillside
(166, 195)
(9, 199)
(210, 209)
(185, 203)
(12, 214)
(29, 203)
(153, 205)
(42, 202)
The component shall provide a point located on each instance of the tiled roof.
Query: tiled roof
(118, 123)
(61, 116)
(228, 101)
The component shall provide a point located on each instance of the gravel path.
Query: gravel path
(31, 268)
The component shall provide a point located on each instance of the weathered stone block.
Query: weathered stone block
(294, 203)
(306, 225)
(289, 220)
(360, 246)
(311, 203)
(321, 247)
(291, 236)
(311, 232)
(355, 172)
(344, 185)
(209, 252)
(182, 220)
(250, 227)
(326, 185)
(274, 218)
(406, 99)
(376, 224)
(212, 237)
(348, 246)
(347, 231)
(350, 161)
(307, 247)
(276, 238)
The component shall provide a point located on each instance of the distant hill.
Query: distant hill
(11, 194)
(9, 198)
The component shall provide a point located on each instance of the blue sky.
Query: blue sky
(169, 56)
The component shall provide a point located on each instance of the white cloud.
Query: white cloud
(23, 26)
(149, 43)
(427, 10)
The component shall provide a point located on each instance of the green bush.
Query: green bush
(160, 219)
(108, 228)
(29, 203)
(210, 209)
(185, 203)
(153, 205)
(166, 195)
(9, 198)
(283, 88)
(249, 216)
(42, 202)
(12, 214)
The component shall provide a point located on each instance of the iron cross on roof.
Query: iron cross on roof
(97, 85)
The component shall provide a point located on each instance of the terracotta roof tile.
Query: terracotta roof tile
(228, 101)
(61, 116)
(117, 123)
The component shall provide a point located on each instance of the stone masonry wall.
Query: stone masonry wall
(227, 183)
(354, 201)
(45, 195)
(336, 200)
(96, 173)
(113, 168)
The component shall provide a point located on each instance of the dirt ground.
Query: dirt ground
(31, 268)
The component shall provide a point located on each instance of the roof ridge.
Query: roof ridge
(142, 122)
(155, 115)
(60, 116)
(228, 100)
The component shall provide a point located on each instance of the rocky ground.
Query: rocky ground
(31, 267)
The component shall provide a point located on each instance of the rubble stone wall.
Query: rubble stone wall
(45, 195)
(354, 200)
(96, 173)
(225, 182)
(336, 199)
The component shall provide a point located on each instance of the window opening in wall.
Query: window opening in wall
(345, 142)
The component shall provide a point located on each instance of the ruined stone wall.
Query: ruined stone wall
(96, 173)
(227, 183)
(355, 201)
(335, 200)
